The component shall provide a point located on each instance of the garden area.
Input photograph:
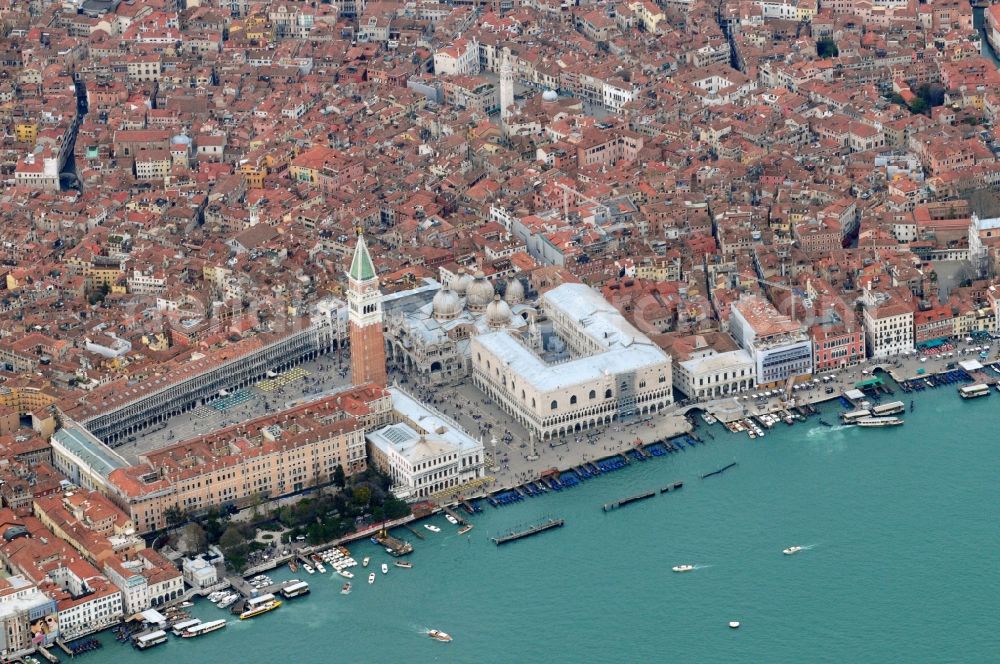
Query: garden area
(326, 514)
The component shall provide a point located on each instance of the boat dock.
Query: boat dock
(395, 546)
(719, 471)
(672, 487)
(627, 501)
(48, 656)
(453, 514)
(413, 530)
(528, 532)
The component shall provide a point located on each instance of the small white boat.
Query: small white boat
(405, 564)
(683, 568)
(371, 578)
(792, 550)
(344, 573)
(216, 596)
(452, 520)
(345, 589)
(309, 568)
(385, 568)
(734, 624)
(438, 635)
(364, 563)
(433, 529)
(320, 568)
(228, 601)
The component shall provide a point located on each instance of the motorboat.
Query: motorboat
(734, 624)
(371, 578)
(320, 568)
(405, 564)
(438, 635)
(292, 566)
(344, 573)
(185, 605)
(792, 550)
(203, 628)
(229, 601)
(683, 568)
(464, 529)
(385, 568)
(433, 529)
(308, 568)
(346, 589)
(452, 520)
(365, 561)
(216, 596)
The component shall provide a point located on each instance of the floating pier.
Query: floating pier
(719, 471)
(672, 487)
(627, 501)
(528, 532)
(395, 546)
(413, 530)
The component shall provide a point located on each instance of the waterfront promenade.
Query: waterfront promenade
(516, 463)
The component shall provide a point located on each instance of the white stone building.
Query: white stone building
(710, 374)
(780, 347)
(610, 370)
(888, 324)
(425, 452)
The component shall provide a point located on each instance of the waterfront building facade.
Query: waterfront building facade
(603, 370)
(424, 452)
(888, 320)
(837, 345)
(365, 311)
(146, 581)
(779, 346)
(709, 375)
(28, 617)
(264, 458)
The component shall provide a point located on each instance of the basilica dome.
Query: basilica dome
(515, 292)
(446, 304)
(462, 283)
(479, 293)
(498, 313)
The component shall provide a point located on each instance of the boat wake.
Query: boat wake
(817, 431)
(809, 547)
(697, 567)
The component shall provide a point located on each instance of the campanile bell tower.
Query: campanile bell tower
(364, 301)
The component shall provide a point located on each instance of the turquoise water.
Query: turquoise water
(902, 525)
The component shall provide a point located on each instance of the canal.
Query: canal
(979, 21)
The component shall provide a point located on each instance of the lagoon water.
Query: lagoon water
(901, 526)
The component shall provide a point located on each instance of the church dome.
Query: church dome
(515, 292)
(462, 283)
(446, 304)
(479, 293)
(550, 95)
(498, 313)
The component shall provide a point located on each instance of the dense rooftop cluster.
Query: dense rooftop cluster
(183, 182)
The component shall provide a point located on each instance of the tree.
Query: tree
(195, 537)
(174, 516)
(827, 48)
(395, 508)
(232, 538)
(339, 478)
(918, 106)
(362, 495)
